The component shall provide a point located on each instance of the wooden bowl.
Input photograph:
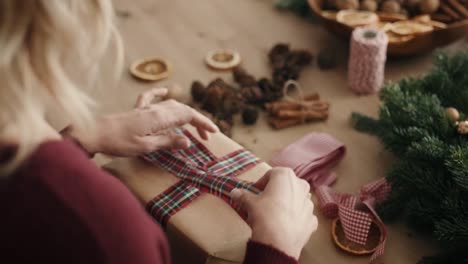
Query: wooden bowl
(375, 239)
(418, 45)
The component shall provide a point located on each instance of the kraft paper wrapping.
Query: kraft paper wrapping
(206, 231)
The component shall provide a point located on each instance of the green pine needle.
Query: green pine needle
(430, 180)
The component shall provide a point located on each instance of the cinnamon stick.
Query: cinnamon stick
(441, 17)
(302, 115)
(275, 107)
(279, 123)
(449, 11)
(458, 7)
(283, 123)
(312, 97)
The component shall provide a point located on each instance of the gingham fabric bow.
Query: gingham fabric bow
(356, 223)
(199, 172)
(312, 157)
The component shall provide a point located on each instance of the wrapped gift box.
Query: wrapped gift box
(207, 230)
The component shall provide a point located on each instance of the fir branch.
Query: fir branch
(365, 124)
(457, 164)
(430, 180)
(300, 7)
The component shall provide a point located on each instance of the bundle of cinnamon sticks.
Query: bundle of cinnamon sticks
(451, 11)
(284, 114)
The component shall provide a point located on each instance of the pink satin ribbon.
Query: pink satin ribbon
(312, 158)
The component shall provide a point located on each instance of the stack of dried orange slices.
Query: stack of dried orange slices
(399, 28)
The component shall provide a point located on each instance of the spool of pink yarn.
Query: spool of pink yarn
(366, 67)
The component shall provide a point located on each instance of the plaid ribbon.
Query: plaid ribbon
(356, 223)
(199, 172)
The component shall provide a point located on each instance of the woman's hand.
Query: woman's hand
(143, 129)
(282, 216)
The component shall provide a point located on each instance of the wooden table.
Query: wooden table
(184, 31)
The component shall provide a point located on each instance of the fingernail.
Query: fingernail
(236, 194)
(182, 142)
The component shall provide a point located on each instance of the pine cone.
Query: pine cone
(252, 95)
(198, 91)
(243, 78)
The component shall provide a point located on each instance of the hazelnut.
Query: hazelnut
(346, 4)
(368, 5)
(429, 6)
(390, 6)
(452, 113)
(462, 127)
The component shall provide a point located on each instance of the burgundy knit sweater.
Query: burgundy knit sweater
(59, 207)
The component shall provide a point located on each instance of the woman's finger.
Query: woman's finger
(202, 122)
(281, 180)
(147, 97)
(243, 198)
(263, 181)
(203, 134)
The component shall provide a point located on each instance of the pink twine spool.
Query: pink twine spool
(366, 66)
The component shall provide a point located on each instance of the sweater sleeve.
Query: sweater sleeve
(259, 253)
(59, 207)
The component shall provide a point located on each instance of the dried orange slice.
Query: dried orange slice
(150, 69)
(329, 14)
(396, 39)
(387, 17)
(373, 241)
(384, 26)
(405, 28)
(223, 59)
(356, 18)
(437, 24)
(422, 18)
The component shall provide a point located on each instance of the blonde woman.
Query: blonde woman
(57, 206)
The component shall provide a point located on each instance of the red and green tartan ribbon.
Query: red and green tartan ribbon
(199, 172)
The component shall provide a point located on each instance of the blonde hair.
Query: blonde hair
(49, 51)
